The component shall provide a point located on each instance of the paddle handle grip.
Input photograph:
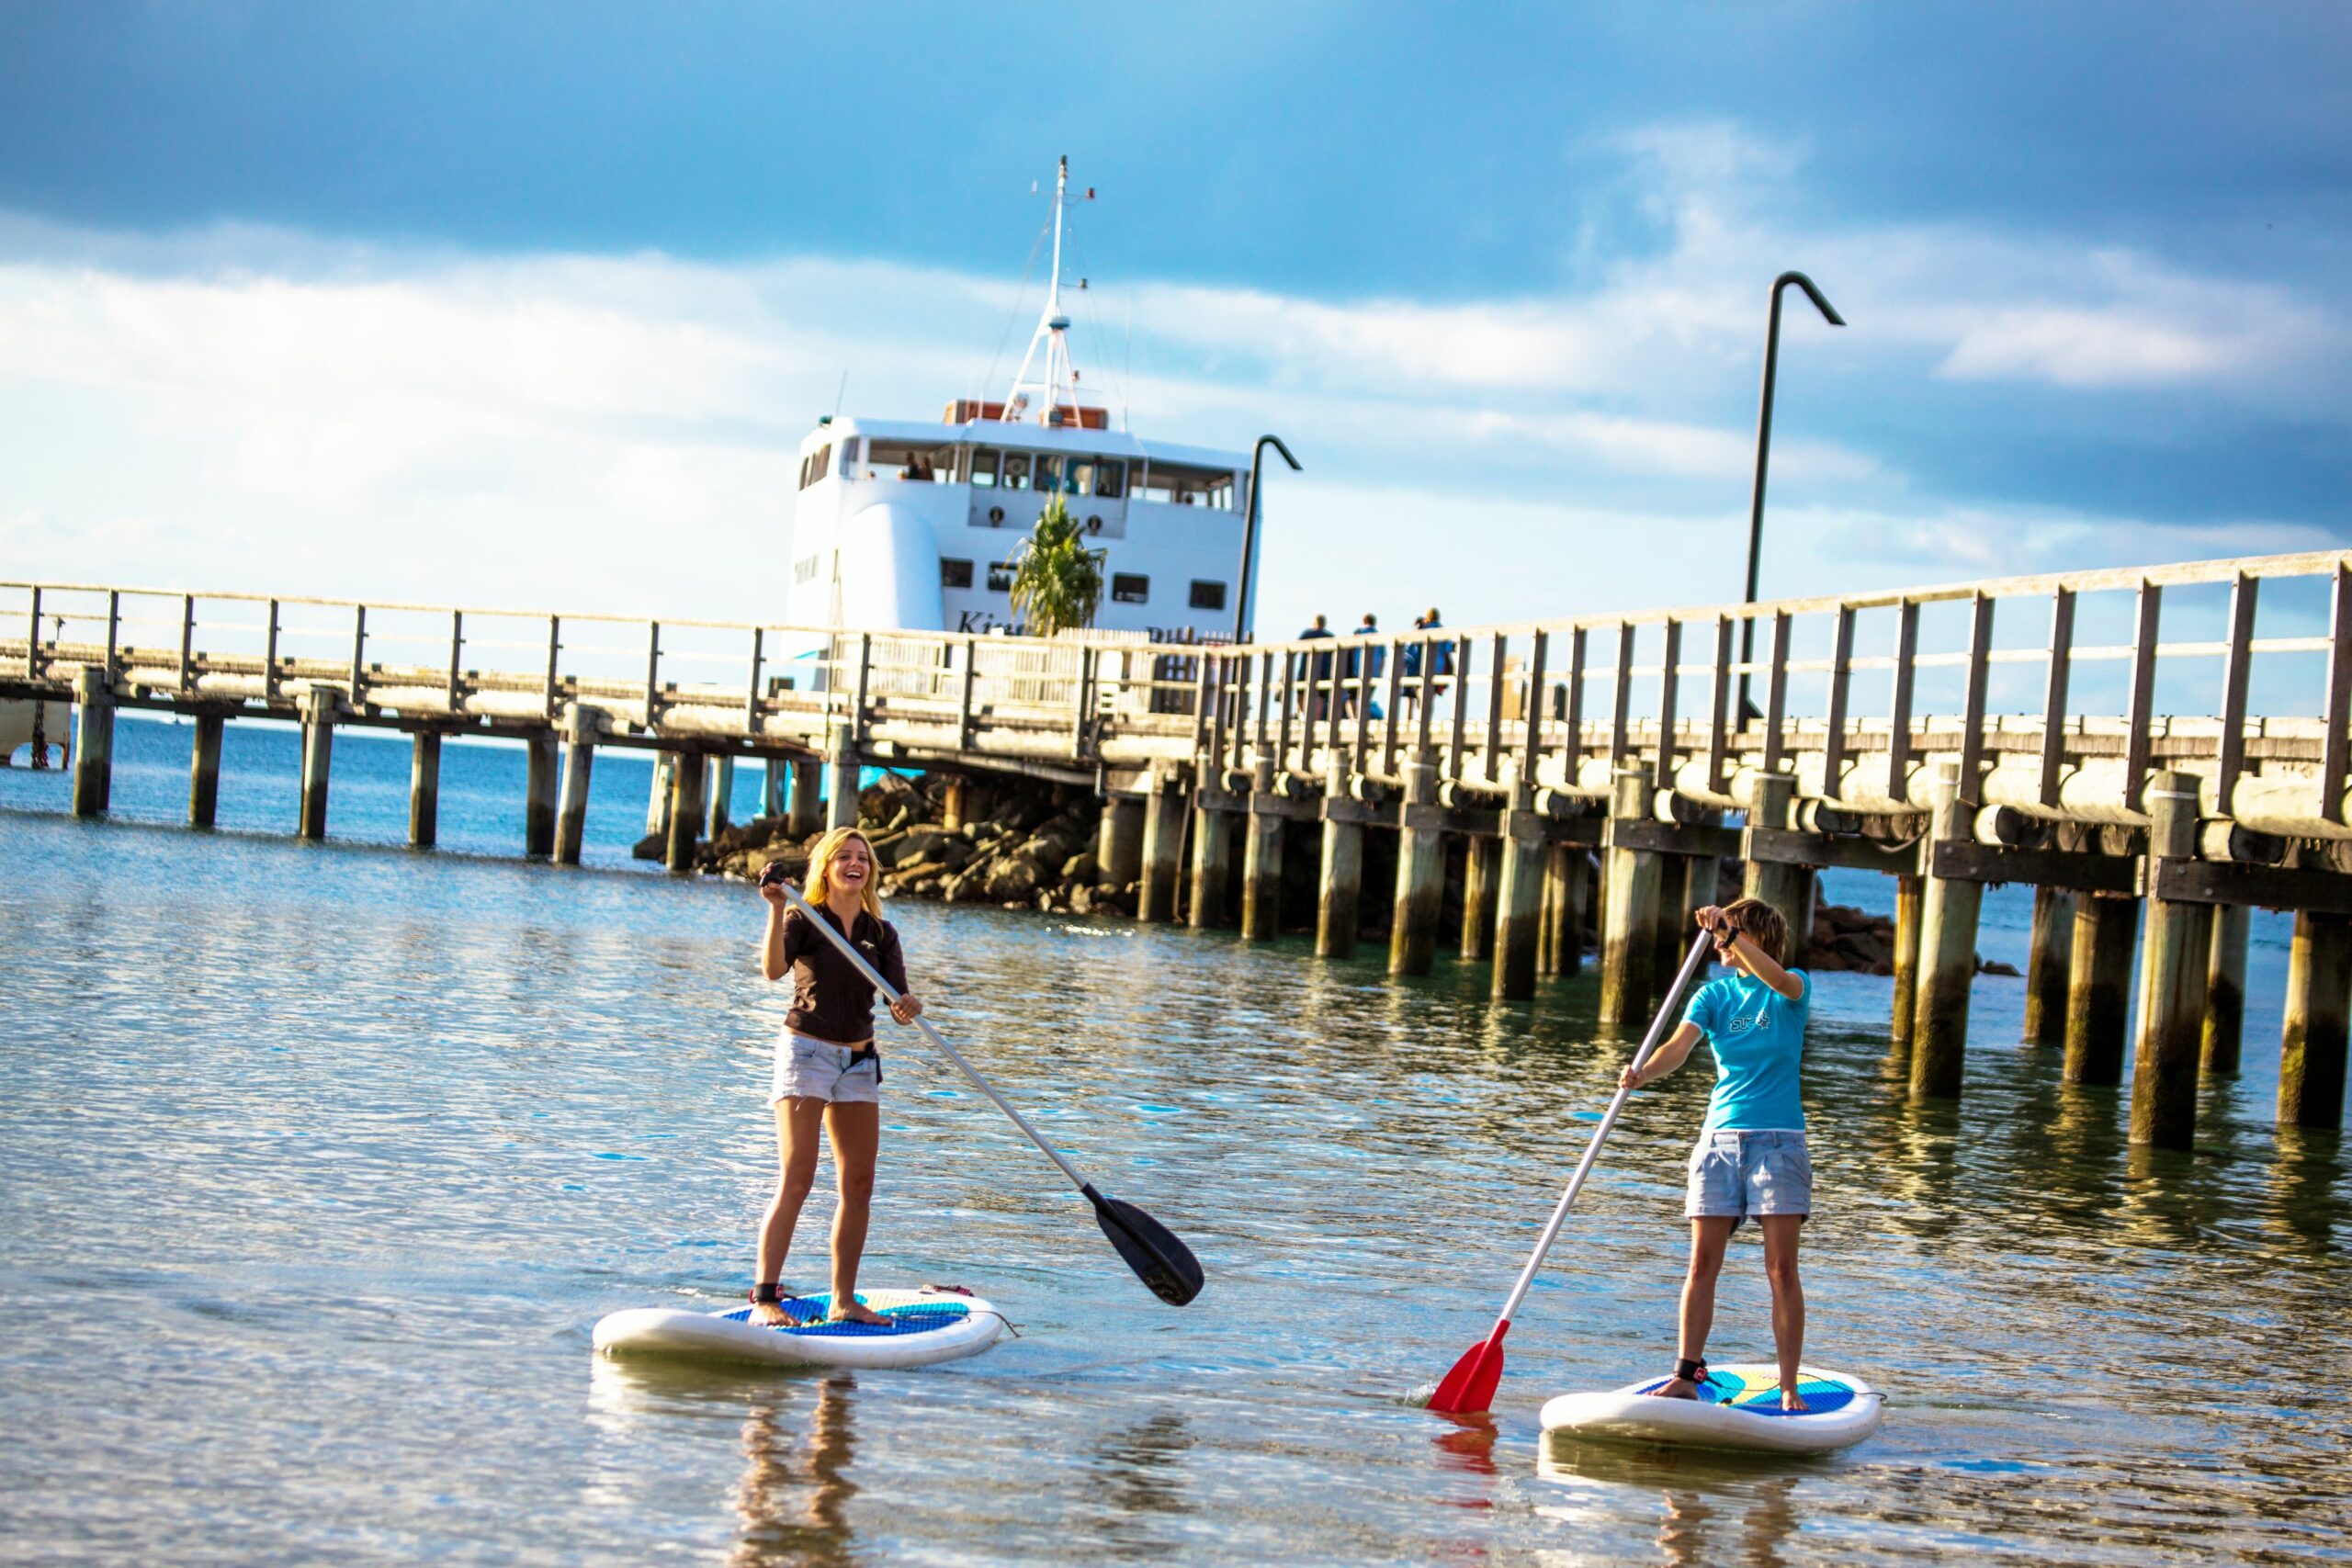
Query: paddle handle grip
(1650, 1043)
(874, 977)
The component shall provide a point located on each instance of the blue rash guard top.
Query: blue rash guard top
(1757, 1036)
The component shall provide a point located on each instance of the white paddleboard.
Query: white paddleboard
(1738, 1407)
(921, 1328)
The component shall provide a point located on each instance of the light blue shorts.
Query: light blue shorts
(818, 1069)
(1740, 1174)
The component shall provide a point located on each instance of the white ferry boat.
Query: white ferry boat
(904, 524)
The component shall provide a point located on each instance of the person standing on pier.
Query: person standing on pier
(1751, 1158)
(1317, 669)
(827, 1075)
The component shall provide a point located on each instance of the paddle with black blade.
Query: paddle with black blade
(1160, 1260)
(1470, 1386)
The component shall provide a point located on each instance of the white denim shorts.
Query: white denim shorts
(818, 1069)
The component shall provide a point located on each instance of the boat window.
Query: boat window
(922, 462)
(812, 469)
(1110, 478)
(1130, 588)
(1016, 470)
(805, 569)
(849, 458)
(1176, 486)
(1000, 577)
(1208, 596)
(955, 573)
(984, 467)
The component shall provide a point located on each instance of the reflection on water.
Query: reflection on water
(374, 1138)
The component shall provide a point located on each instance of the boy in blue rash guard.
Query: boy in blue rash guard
(1751, 1156)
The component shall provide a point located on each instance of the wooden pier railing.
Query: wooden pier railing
(2178, 734)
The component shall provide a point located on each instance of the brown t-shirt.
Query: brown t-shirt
(831, 1001)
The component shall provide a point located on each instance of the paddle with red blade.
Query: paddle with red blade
(1470, 1386)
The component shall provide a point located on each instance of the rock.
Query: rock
(1081, 868)
(885, 797)
(1996, 967)
(651, 847)
(923, 843)
(1012, 879)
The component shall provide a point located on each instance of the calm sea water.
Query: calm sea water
(318, 1163)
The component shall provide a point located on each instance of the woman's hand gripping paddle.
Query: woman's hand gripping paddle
(1470, 1386)
(1160, 1260)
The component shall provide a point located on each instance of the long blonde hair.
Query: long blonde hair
(820, 867)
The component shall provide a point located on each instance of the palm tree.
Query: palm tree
(1057, 580)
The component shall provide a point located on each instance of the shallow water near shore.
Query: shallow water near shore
(319, 1162)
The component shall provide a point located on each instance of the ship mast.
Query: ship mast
(1051, 397)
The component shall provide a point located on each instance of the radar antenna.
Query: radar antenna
(1051, 396)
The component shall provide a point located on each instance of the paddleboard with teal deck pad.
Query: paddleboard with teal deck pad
(1738, 1407)
(919, 1329)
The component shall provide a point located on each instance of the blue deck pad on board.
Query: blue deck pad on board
(1762, 1396)
(924, 1318)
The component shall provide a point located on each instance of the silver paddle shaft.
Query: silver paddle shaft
(873, 977)
(1576, 1183)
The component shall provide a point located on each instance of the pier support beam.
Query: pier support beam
(843, 765)
(1629, 937)
(1262, 860)
(204, 771)
(540, 779)
(1519, 898)
(1421, 876)
(424, 789)
(804, 814)
(1118, 841)
(1478, 871)
(2173, 954)
(1947, 955)
(1339, 900)
(1910, 895)
(1566, 875)
(657, 805)
(685, 810)
(1212, 867)
(2099, 988)
(581, 729)
(319, 706)
(955, 804)
(2312, 1049)
(1788, 889)
(1164, 848)
(93, 743)
(2050, 953)
(776, 786)
(719, 813)
(2225, 991)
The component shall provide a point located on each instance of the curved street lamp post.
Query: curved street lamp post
(1249, 530)
(1763, 457)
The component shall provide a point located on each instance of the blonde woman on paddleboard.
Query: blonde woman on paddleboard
(1751, 1160)
(827, 1075)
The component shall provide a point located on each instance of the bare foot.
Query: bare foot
(849, 1309)
(1791, 1400)
(1676, 1388)
(771, 1314)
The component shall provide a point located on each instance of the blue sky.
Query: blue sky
(463, 301)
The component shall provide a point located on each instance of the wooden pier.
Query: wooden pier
(2128, 742)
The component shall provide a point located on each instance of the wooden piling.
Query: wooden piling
(2224, 1028)
(540, 781)
(2175, 951)
(805, 813)
(719, 811)
(2099, 988)
(318, 706)
(1421, 875)
(1629, 939)
(1339, 898)
(1948, 913)
(685, 811)
(1566, 873)
(2049, 954)
(1787, 888)
(424, 789)
(665, 784)
(580, 731)
(204, 771)
(2312, 1049)
(776, 786)
(1118, 840)
(842, 766)
(1212, 867)
(1519, 898)
(93, 743)
(954, 802)
(1478, 870)
(1262, 860)
(1162, 809)
(1910, 893)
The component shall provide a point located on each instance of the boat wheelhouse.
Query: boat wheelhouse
(904, 523)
